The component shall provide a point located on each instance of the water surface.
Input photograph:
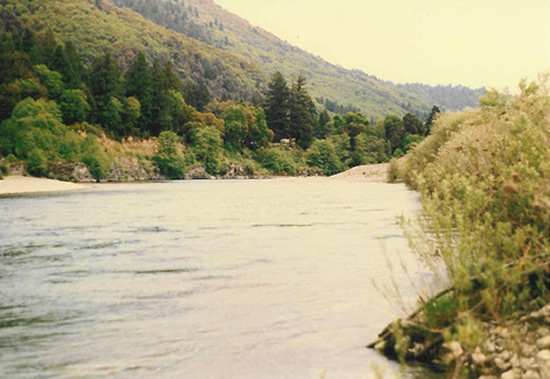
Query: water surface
(201, 279)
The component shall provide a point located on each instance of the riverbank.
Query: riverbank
(12, 185)
(483, 177)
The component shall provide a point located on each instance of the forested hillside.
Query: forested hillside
(452, 98)
(347, 89)
(96, 26)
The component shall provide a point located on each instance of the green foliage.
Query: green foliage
(279, 161)
(74, 106)
(277, 107)
(207, 147)
(322, 154)
(95, 156)
(37, 162)
(169, 157)
(52, 80)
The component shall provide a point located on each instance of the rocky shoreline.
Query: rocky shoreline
(511, 350)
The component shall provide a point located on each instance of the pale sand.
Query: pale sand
(366, 173)
(24, 184)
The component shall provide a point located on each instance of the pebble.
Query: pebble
(531, 375)
(543, 343)
(512, 374)
(479, 358)
(502, 364)
(543, 332)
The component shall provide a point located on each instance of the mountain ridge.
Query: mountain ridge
(219, 27)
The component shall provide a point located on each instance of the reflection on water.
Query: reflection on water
(200, 279)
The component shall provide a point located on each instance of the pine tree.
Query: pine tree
(302, 113)
(139, 84)
(104, 84)
(434, 112)
(277, 107)
(322, 130)
(60, 62)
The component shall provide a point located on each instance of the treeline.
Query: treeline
(53, 106)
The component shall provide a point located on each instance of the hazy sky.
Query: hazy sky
(472, 42)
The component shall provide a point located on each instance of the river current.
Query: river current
(203, 279)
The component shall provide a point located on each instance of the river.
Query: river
(203, 279)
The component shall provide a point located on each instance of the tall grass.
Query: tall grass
(484, 178)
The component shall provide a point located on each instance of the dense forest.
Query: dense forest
(55, 107)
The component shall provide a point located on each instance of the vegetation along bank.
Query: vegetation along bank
(484, 178)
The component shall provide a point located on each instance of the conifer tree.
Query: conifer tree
(104, 85)
(302, 113)
(139, 84)
(277, 107)
(322, 131)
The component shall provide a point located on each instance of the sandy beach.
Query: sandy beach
(25, 184)
(367, 173)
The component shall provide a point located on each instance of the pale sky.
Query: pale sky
(477, 43)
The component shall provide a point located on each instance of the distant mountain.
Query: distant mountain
(349, 89)
(452, 98)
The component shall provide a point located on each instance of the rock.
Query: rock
(509, 375)
(527, 363)
(543, 332)
(528, 350)
(531, 375)
(490, 346)
(543, 360)
(543, 343)
(479, 358)
(198, 172)
(515, 361)
(502, 364)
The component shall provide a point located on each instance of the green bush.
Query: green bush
(207, 148)
(169, 159)
(322, 154)
(279, 161)
(37, 163)
(96, 158)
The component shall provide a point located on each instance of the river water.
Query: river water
(202, 279)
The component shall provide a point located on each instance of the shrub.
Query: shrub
(96, 158)
(279, 161)
(393, 171)
(169, 159)
(37, 163)
(322, 154)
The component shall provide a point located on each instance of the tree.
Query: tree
(412, 125)
(302, 113)
(197, 94)
(104, 85)
(322, 154)
(322, 130)
(277, 107)
(431, 118)
(60, 62)
(74, 106)
(138, 84)
(169, 157)
(394, 130)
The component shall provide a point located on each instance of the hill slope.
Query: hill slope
(96, 25)
(208, 22)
